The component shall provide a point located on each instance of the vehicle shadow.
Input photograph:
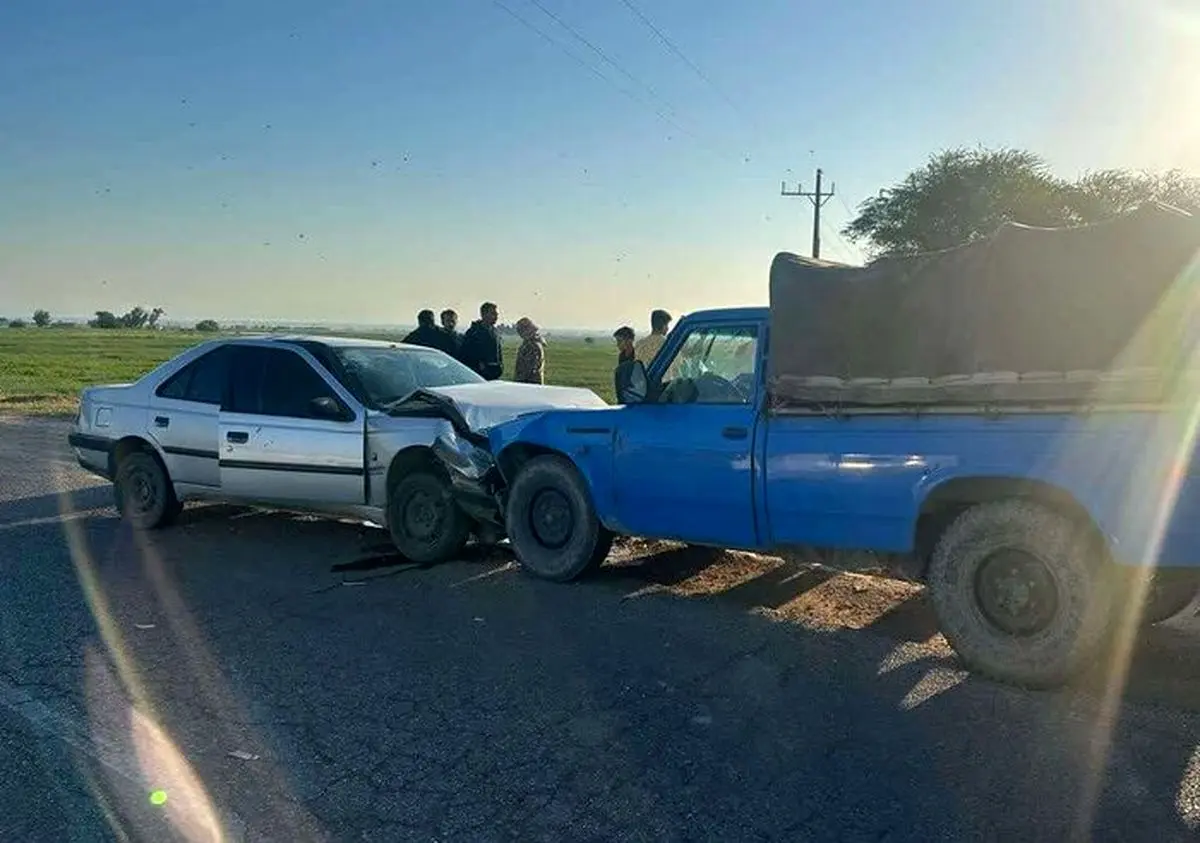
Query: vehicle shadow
(1162, 665)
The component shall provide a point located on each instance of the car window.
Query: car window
(202, 381)
(275, 382)
(388, 374)
(713, 366)
(245, 382)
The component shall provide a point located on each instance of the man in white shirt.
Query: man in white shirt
(649, 345)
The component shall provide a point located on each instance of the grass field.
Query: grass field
(43, 369)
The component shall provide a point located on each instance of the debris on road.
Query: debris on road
(144, 626)
(242, 755)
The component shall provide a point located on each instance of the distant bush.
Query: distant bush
(17, 323)
(105, 319)
(208, 326)
(589, 340)
(138, 317)
(41, 318)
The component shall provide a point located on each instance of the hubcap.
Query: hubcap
(1016, 592)
(551, 518)
(144, 495)
(423, 515)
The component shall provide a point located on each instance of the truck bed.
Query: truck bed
(862, 481)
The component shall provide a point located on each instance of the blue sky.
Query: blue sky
(355, 162)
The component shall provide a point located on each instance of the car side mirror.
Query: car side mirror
(632, 384)
(327, 407)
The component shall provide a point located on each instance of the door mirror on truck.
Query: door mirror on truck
(632, 384)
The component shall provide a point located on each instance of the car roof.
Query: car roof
(331, 342)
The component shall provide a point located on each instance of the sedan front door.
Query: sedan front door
(288, 434)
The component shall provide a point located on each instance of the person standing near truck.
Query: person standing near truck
(426, 333)
(452, 338)
(531, 356)
(649, 345)
(481, 349)
(625, 351)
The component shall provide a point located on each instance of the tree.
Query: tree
(207, 326)
(960, 195)
(155, 315)
(17, 323)
(135, 318)
(41, 318)
(104, 319)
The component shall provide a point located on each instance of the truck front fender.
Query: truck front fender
(585, 439)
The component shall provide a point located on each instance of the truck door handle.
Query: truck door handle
(735, 433)
(162, 421)
(238, 437)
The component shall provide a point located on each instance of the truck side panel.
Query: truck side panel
(861, 481)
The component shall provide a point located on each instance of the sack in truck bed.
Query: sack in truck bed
(1096, 313)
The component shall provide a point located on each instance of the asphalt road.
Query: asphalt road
(278, 678)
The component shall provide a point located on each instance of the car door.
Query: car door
(275, 446)
(183, 415)
(684, 463)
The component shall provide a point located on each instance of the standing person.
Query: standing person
(427, 333)
(531, 356)
(625, 356)
(481, 349)
(452, 339)
(649, 345)
(624, 337)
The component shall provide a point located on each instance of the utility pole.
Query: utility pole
(818, 199)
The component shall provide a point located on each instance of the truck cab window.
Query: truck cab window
(713, 366)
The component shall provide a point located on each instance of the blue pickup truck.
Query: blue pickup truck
(1045, 510)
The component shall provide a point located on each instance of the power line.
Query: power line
(666, 118)
(604, 56)
(550, 39)
(670, 45)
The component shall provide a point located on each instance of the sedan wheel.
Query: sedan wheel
(425, 522)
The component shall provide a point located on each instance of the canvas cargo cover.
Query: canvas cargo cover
(1094, 312)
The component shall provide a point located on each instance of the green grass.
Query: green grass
(42, 370)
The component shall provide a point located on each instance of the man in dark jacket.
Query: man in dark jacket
(427, 333)
(452, 338)
(481, 344)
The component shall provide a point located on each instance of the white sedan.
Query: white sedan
(338, 427)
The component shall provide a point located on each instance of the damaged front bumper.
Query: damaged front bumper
(474, 478)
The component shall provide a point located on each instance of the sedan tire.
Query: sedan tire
(424, 520)
(143, 492)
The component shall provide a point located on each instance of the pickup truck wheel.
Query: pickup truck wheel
(551, 522)
(604, 545)
(1021, 592)
(143, 493)
(1170, 592)
(425, 522)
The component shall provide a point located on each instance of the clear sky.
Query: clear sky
(353, 162)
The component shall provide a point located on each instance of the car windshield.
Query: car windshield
(388, 374)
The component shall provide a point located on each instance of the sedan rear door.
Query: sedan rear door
(278, 444)
(182, 418)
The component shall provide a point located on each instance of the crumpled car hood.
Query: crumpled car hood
(480, 406)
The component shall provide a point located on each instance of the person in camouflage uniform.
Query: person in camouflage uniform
(531, 356)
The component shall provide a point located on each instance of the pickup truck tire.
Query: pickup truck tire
(1022, 592)
(425, 522)
(551, 521)
(1170, 592)
(604, 545)
(143, 493)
